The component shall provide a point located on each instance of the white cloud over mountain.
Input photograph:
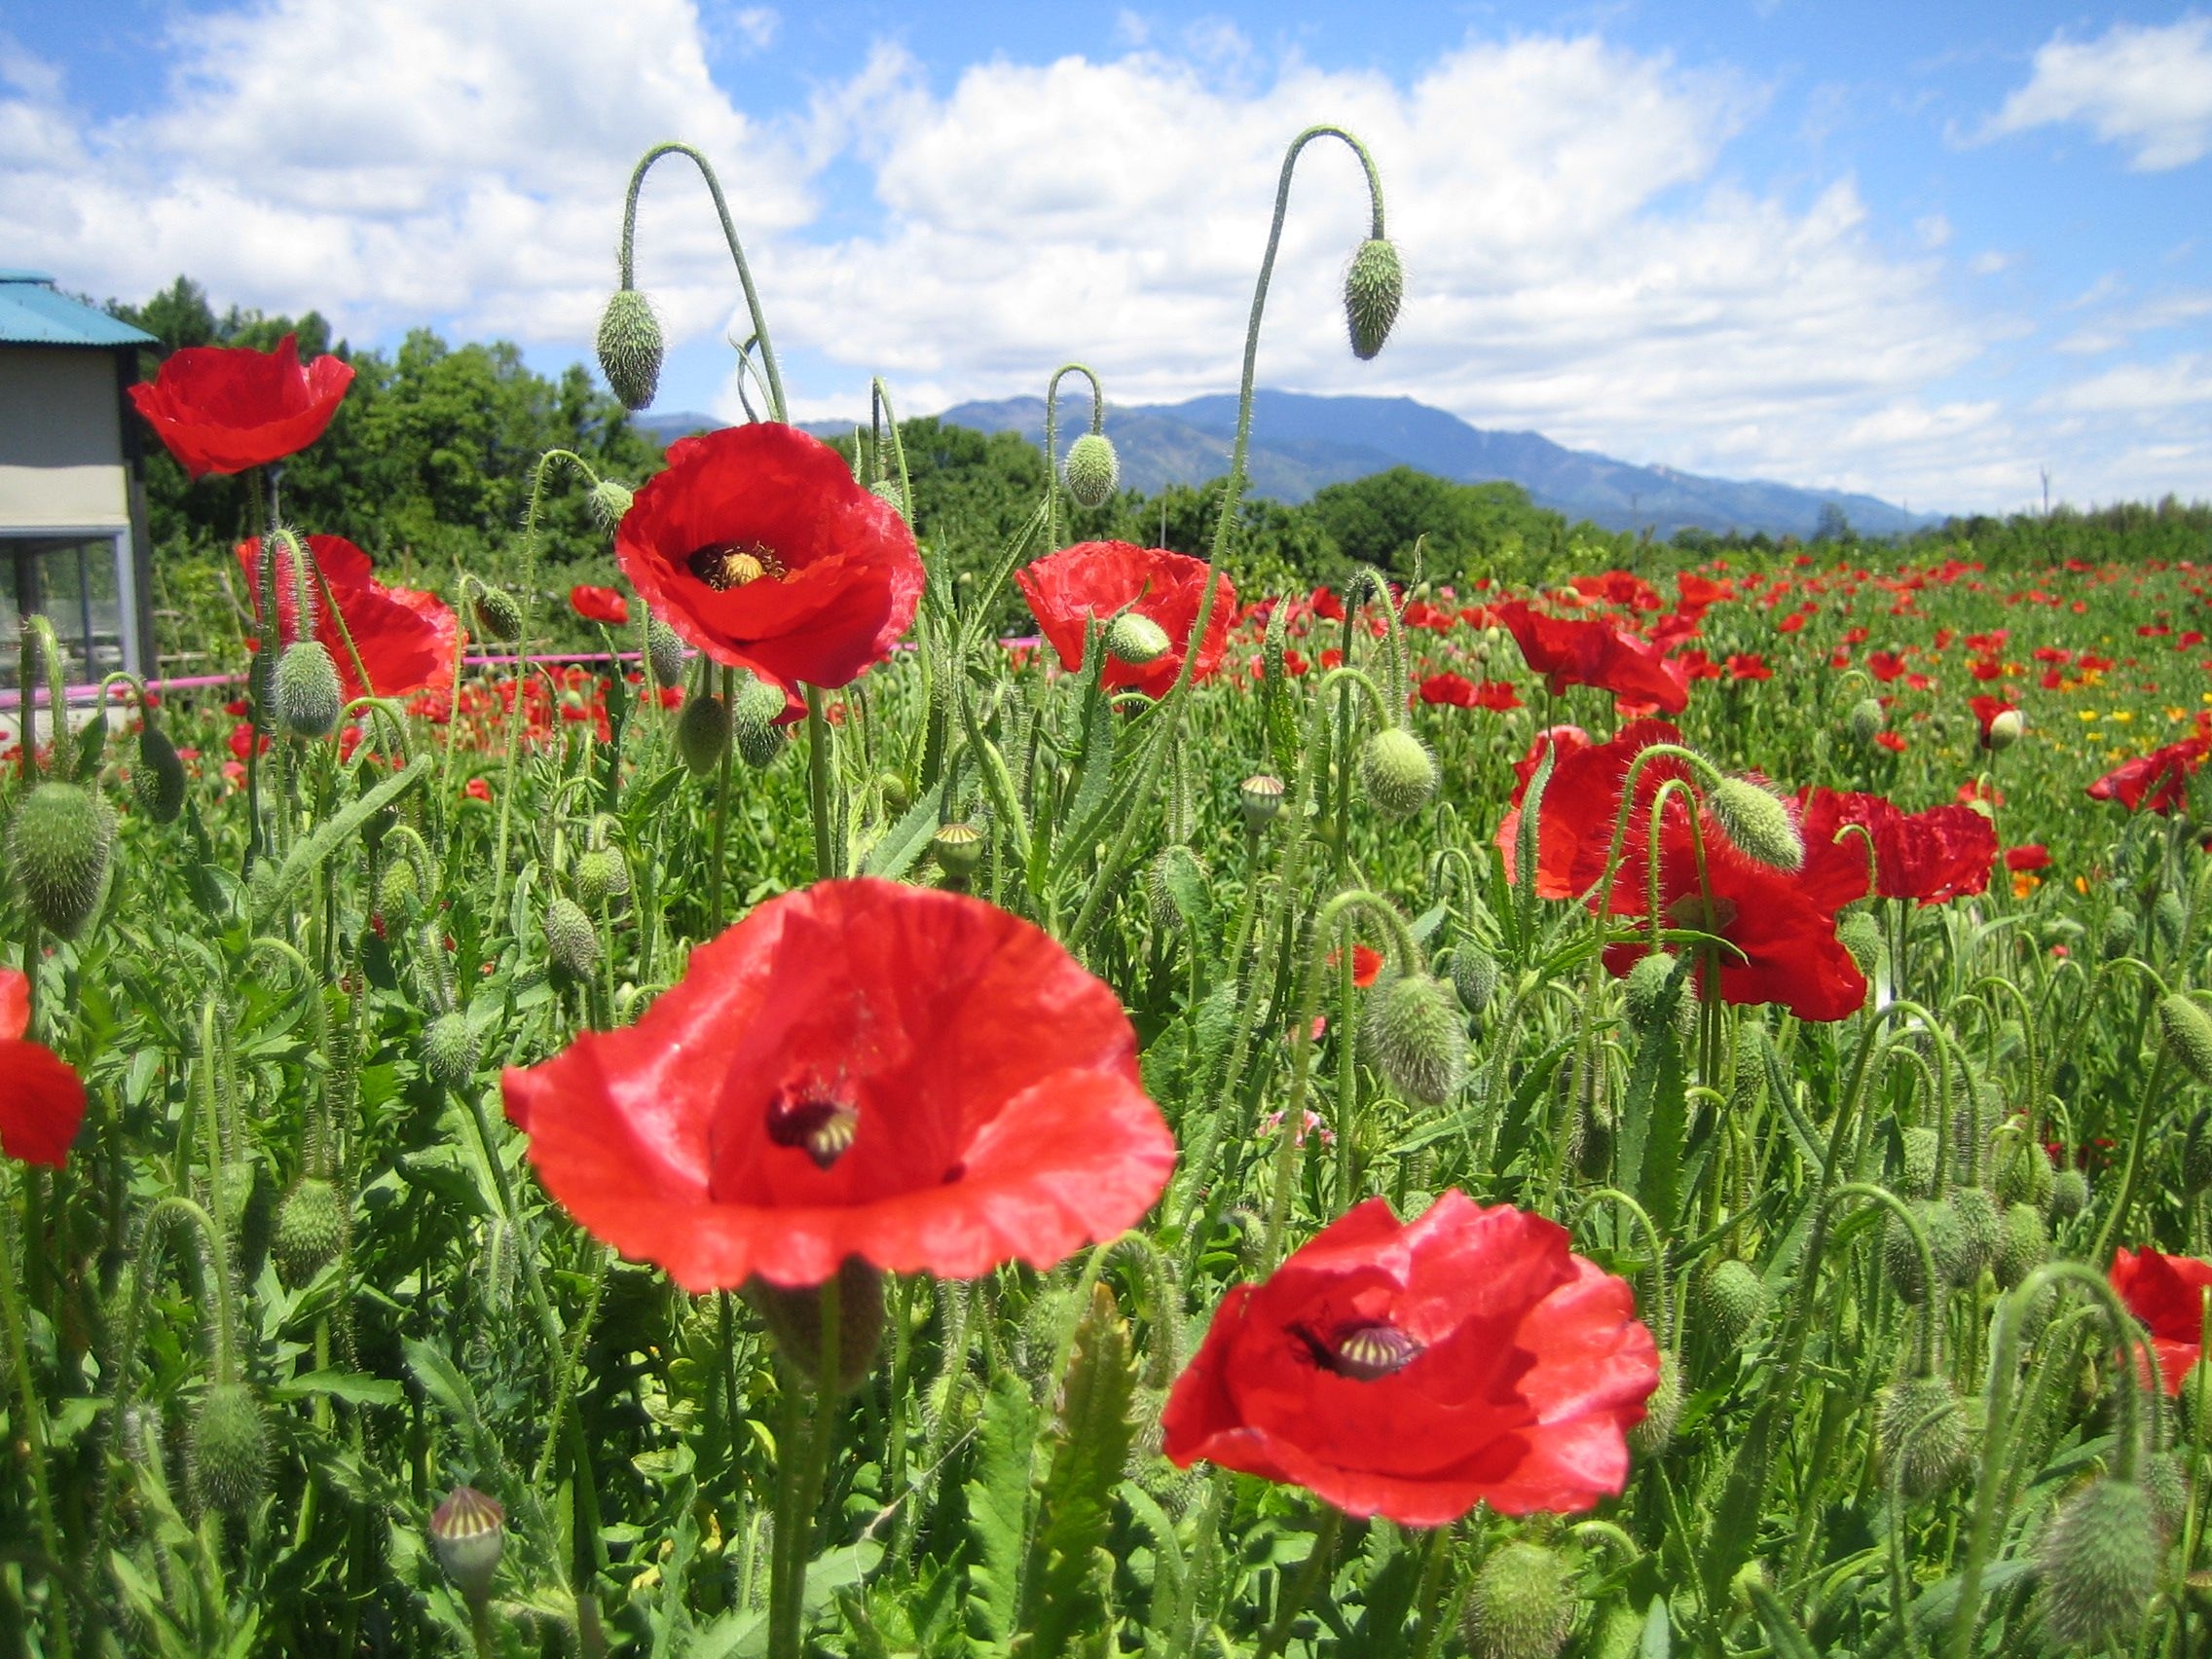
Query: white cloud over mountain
(1582, 259)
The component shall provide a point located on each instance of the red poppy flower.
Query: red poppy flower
(1064, 590)
(1412, 1370)
(1366, 964)
(1885, 665)
(1985, 713)
(479, 788)
(2033, 856)
(1893, 741)
(1574, 833)
(1934, 856)
(226, 408)
(2166, 1294)
(758, 545)
(1455, 689)
(911, 1077)
(406, 638)
(600, 604)
(1496, 694)
(1593, 654)
(42, 1100)
(1749, 665)
(2157, 782)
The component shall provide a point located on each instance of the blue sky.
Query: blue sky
(1923, 250)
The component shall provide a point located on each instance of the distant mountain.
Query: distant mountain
(675, 424)
(1302, 442)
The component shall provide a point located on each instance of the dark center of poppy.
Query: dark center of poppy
(1707, 915)
(1364, 1353)
(823, 1129)
(726, 565)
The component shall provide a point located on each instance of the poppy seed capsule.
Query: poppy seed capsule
(59, 847)
(958, 849)
(2188, 1031)
(1521, 1604)
(702, 732)
(228, 1449)
(468, 1532)
(1474, 977)
(1397, 772)
(1418, 1037)
(2069, 1195)
(157, 782)
(664, 652)
(309, 697)
(2100, 1560)
(1092, 469)
(571, 943)
(753, 722)
(2006, 729)
(1136, 640)
(609, 503)
(630, 348)
(1924, 1433)
(1756, 820)
(794, 1317)
(449, 1049)
(497, 613)
(1732, 1300)
(1261, 798)
(311, 1232)
(1866, 720)
(1375, 285)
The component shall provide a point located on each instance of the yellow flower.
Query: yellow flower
(2089, 715)
(2123, 716)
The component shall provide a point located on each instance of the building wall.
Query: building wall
(60, 440)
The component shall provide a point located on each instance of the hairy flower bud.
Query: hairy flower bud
(702, 732)
(2004, 730)
(2188, 1032)
(664, 652)
(497, 613)
(398, 892)
(309, 697)
(228, 1449)
(1981, 1232)
(794, 1317)
(448, 1047)
(2119, 936)
(1923, 1432)
(1661, 1411)
(1866, 720)
(630, 348)
(157, 782)
(2069, 1195)
(1522, 1603)
(2023, 1246)
(1731, 1298)
(1861, 934)
(609, 503)
(468, 1532)
(571, 943)
(1755, 820)
(1136, 640)
(1397, 772)
(1375, 284)
(2099, 1559)
(753, 721)
(2023, 1171)
(1900, 1256)
(58, 848)
(602, 879)
(1644, 992)
(1474, 977)
(1417, 1036)
(1093, 469)
(1917, 1178)
(313, 1226)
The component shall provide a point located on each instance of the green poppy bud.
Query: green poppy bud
(664, 654)
(2167, 1484)
(228, 1449)
(1917, 1179)
(2023, 1245)
(2100, 1560)
(309, 697)
(1397, 772)
(158, 781)
(1160, 892)
(702, 732)
(2006, 729)
(2023, 1171)
(1981, 1232)
(1643, 991)
(1900, 1256)
(570, 941)
(468, 1533)
(1260, 796)
(1417, 1036)
(608, 501)
(794, 1317)
(398, 892)
(2197, 1154)
(2118, 933)
(448, 1048)
(1522, 1603)
(497, 613)
(310, 1232)
(2188, 1032)
(1474, 976)
(59, 847)
(1866, 720)
(2069, 1195)
(2169, 915)
(1136, 639)
(630, 348)
(753, 722)
(1731, 1298)
(1756, 820)
(1093, 469)
(897, 797)
(602, 879)
(1374, 286)
(1661, 1411)
(1923, 1432)
(1859, 933)
(2196, 1400)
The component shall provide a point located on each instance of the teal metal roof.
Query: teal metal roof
(33, 314)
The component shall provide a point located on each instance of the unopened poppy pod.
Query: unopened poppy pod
(863, 1069)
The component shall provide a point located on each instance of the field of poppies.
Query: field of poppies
(1658, 1114)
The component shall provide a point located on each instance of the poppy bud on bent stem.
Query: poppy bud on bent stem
(59, 847)
(1093, 469)
(1416, 1032)
(309, 697)
(1397, 772)
(1520, 1605)
(1375, 285)
(630, 348)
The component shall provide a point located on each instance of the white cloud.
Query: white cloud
(2146, 86)
(2141, 387)
(1989, 262)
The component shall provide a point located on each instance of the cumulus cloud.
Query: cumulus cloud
(2146, 86)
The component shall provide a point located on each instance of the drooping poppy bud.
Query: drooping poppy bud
(1661, 1411)
(1756, 820)
(1917, 1178)
(753, 722)
(1375, 284)
(2069, 1195)
(2099, 1562)
(1900, 1256)
(664, 652)
(1397, 772)
(158, 781)
(2023, 1245)
(497, 613)
(1866, 720)
(1981, 1231)
(1417, 1034)
(1093, 469)
(1732, 1299)
(448, 1048)
(570, 941)
(702, 732)
(1474, 977)
(1924, 1432)
(468, 1532)
(228, 1449)
(309, 696)
(2004, 730)
(1136, 639)
(398, 892)
(311, 1232)
(608, 501)
(1522, 1603)
(58, 846)
(630, 348)
(602, 879)
(2188, 1032)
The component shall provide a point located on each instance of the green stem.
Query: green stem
(1300, 1590)
(818, 761)
(799, 1496)
(33, 1428)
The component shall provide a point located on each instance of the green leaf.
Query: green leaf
(1658, 1635)
(1066, 1591)
(351, 1387)
(903, 843)
(998, 1505)
(329, 836)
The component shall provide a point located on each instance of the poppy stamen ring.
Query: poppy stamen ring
(726, 565)
(822, 1129)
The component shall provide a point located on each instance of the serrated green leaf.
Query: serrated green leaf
(998, 1505)
(1065, 1595)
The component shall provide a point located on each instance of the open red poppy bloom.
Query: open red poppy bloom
(758, 546)
(1593, 654)
(42, 1100)
(406, 638)
(1943, 853)
(1575, 831)
(912, 1077)
(2032, 856)
(1415, 1370)
(2166, 1292)
(1985, 713)
(2157, 782)
(598, 604)
(1098, 578)
(226, 408)
(1455, 690)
